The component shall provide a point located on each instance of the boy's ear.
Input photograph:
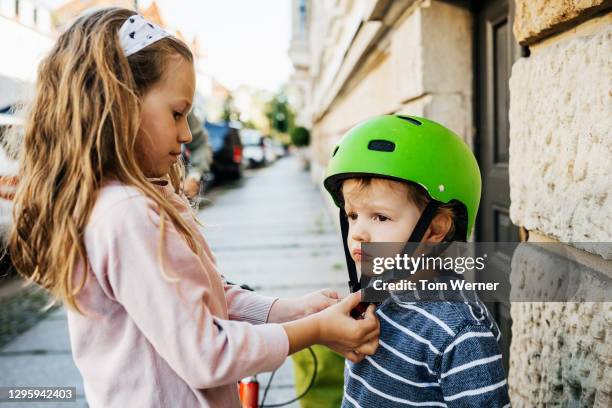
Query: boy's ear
(439, 227)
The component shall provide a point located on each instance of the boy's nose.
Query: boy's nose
(359, 232)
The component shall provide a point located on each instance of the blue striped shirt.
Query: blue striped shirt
(430, 354)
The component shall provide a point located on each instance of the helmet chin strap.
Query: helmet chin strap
(353, 282)
(416, 236)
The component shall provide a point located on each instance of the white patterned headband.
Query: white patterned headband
(137, 33)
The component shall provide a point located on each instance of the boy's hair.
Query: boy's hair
(418, 196)
(80, 131)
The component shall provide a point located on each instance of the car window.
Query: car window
(250, 137)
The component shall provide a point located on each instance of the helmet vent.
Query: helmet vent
(381, 145)
(409, 119)
(335, 151)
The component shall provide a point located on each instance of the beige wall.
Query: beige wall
(560, 182)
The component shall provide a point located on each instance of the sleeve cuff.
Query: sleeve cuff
(257, 311)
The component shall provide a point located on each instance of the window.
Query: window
(303, 14)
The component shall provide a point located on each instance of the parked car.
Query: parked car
(258, 149)
(253, 153)
(9, 177)
(224, 139)
(279, 149)
(269, 150)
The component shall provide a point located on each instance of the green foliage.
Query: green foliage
(300, 136)
(229, 110)
(280, 114)
(326, 391)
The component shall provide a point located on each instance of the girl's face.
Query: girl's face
(378, 212)
(163, 127)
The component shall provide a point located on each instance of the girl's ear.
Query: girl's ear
(439, 227)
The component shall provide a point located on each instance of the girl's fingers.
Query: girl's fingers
(354, 356)
(368, 348)
(332, 294)
(364, 329)
(370, 318)
(349, 302)
(370, 311)
(367, 331)
(370, 315)
(374, 334)
(327, 302)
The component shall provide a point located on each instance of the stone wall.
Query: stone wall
(536, 19)
(560, 354)
(557, 359)
(560, 182)
(560, 141)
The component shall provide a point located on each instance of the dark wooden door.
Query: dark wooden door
(495, 52)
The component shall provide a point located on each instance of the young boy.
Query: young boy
(408, 179)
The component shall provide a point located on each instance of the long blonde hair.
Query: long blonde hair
(80, 131)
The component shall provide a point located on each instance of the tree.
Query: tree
(229, 110)
(280, 114)
(300, 136)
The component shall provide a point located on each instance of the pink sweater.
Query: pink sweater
(148, 342)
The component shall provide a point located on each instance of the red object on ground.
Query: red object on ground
(248, 388)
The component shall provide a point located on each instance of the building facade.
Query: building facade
(528, 85)
(27, 35)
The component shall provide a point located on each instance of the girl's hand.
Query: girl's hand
(354, 339)
(286, 310)
(336, 329)
(316, 301)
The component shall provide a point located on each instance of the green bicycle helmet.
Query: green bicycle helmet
(408, 148)
(405, 148)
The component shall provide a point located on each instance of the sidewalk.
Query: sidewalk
(41, 357)
(270, 230)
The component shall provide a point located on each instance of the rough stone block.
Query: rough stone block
(536, 19)
(446, 40)
(560, 353)
(406, 53)
(556, 358)
(431, 52)
(560, 142)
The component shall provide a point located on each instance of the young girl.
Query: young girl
(101, 222)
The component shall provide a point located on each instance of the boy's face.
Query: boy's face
(163, 127)
(378, 212)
